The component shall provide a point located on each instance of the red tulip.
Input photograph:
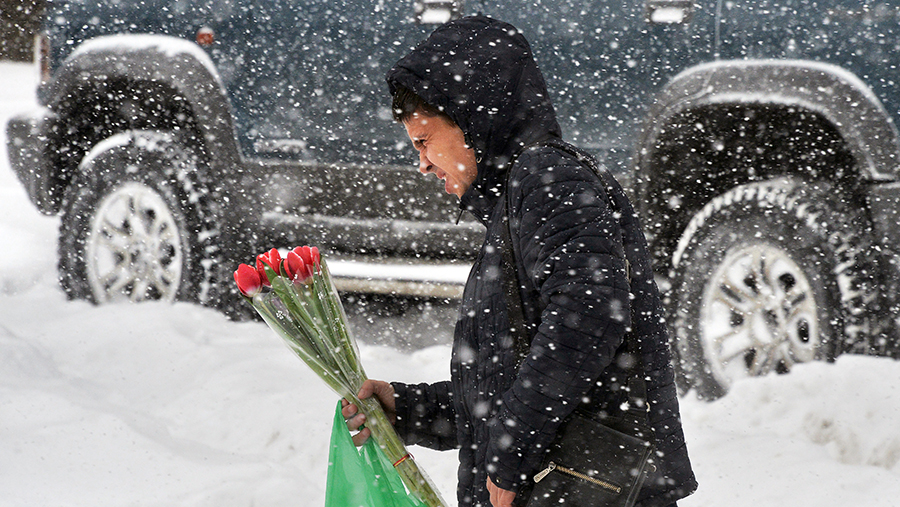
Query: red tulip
(272, 259)
(301, 262)
(295, 268)
(310, 255)
(248, 280)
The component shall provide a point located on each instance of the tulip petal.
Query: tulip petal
(261, 270)
(248, 280)
(304, 252)
(293, 264)
(298, 270)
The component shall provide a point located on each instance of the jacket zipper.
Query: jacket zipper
(553, 466)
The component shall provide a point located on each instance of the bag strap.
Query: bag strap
(519, 328)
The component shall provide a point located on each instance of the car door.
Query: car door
(316, 124)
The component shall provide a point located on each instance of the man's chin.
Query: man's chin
(452, 189)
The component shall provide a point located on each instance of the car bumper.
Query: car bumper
(443, 280)
(27, 141)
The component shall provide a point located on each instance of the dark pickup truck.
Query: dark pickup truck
(758, 139)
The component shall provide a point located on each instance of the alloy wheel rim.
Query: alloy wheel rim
(134, 252)
(758, 315)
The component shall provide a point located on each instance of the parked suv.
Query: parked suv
(176, 138)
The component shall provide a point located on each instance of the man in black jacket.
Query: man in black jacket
(476, 107)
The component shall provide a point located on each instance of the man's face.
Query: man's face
(442, 151)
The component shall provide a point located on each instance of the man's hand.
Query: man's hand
(500, 497)
(384, 393)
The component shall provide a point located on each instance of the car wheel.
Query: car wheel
(766, 276)
(138, 223)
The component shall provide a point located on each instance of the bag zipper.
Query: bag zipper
(553, 466)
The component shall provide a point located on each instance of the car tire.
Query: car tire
(138, 223)
(768, 275)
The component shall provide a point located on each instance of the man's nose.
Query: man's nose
(425, 165)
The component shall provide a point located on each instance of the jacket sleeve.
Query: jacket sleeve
(570, 247)
(425, 415)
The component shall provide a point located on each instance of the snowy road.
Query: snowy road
(173, 405)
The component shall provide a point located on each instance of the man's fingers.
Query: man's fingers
(361, 437)
(367, 389)
(382, 389)
(354, 423)
(355, 419)
(349, 410)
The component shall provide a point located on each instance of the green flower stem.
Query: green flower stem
(338, 339)
(340, 318)
(297, 301)
(289, 322)
(300, 348)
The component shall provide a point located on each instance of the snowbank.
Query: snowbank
(165, 405)
(824, 435)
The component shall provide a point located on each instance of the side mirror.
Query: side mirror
(437, 12)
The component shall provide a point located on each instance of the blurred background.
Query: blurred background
(19, 20)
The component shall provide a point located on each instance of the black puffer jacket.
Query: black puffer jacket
(572, 249)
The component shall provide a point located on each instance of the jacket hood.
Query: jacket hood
(482, 74)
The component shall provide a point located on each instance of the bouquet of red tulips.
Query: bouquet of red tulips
(296, 297)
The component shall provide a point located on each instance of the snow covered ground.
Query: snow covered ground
(173, 405)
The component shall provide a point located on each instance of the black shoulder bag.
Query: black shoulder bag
(589, 463)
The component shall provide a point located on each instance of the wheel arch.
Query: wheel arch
(714, 122)
(118, 83)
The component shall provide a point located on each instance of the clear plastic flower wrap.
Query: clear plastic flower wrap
(297, 298)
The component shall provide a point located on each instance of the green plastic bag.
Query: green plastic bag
(363, 477)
